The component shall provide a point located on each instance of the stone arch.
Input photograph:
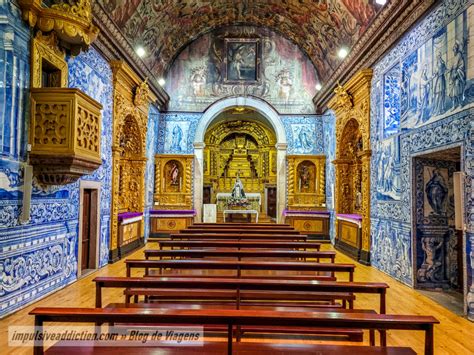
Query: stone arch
(273, 118)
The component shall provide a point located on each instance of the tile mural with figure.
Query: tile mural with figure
(435, 78)
(304, 134)
(387, 165)
(175, 132)
(425, 81)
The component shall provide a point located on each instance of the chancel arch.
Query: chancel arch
(272, 122)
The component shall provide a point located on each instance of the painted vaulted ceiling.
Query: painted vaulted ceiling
(318, 27)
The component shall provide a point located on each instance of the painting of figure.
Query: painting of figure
(436, 191)
(176, 137)
(388, 170)
(242, 60)
(457, 76)
(303, 138)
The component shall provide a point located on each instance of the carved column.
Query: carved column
(132, 98)
(352, 164)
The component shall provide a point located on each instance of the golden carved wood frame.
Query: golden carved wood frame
(180, 200)
(352, 102)
(46, 48)
(305, 201)
(132, 98)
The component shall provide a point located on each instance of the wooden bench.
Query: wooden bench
(239, 237)
(240, 254)
(190, 244)
(239, 266)
(237, 224)
(240, 226)
(231, 318)
(238, 231)
(202, 283)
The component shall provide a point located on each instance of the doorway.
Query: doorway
(438, 244)
(271, 202)
(88, 228)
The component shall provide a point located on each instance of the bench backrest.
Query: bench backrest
(238, 317)
(202, 253)
(238, 231)
(237, 244)
(237, 237)
(256, 284)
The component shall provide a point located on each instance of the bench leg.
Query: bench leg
(372, 337)
(383, 338)
(229, 339)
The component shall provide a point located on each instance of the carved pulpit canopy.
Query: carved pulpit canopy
(70, 20)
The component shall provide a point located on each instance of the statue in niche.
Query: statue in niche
(174, 174)
(431, 268)
(238, 189)
(304, 177)
(437, 192)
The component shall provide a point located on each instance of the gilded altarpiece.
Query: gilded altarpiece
(173, 181)
(241, 148)
(351, 105)
(131, 102)
(306, 195)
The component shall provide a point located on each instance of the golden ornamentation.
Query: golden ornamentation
(352, 107)
(72, 23)
(128, 146)
(142, 92)
(306, 182)
(241, 147)
(45, 51)
(173, 192)
(64, 135)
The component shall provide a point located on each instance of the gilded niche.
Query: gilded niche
(132, 98)
(351, 104)
(173, 181)
(306, 182)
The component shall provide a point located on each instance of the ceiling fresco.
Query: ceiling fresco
(164, 27)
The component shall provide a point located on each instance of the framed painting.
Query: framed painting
(242, 60)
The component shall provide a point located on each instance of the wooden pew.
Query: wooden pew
(241, 226)
(202, 283)
(240, 254)
(204, 224)
(190, 244)
(239, 266)
(231, 318)
(239, 237)
(238, 231)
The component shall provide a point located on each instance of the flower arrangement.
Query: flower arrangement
(237, 202)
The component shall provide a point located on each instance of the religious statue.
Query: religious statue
(304, 177)
(358, 200)
(437, 192)
(174, 174)
(238, 190)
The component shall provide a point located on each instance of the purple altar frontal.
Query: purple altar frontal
(129, 217)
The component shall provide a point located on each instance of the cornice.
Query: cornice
(389, 25)
(112, 44)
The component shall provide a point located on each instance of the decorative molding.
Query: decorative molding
(114, 45)
(390, 24)
(71, 22)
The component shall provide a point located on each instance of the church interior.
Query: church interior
(251, 176)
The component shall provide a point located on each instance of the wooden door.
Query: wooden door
(206, 194)
(89, 228)
(271, 201)
(459, 236)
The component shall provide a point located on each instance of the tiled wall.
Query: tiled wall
(151, 147)
(422, 101)
(39, 256)
(329, 135)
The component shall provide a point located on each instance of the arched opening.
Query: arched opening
(269, 120)
(240, 144)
